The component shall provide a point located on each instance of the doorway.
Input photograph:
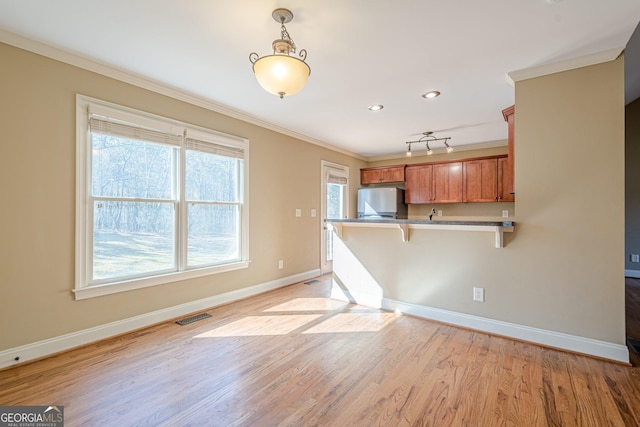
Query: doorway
(335, 199)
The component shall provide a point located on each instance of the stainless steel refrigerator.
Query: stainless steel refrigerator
(381, 202)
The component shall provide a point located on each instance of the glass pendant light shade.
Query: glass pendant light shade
(281, 74)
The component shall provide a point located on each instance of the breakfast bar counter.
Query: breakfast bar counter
(405, 225)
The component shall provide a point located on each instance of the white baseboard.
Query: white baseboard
(632, 273)
(75, 339)
(573, 343)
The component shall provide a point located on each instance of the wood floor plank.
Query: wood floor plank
(294, 357)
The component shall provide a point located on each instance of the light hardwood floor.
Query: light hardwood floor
(294, 357)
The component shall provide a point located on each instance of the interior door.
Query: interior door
(335, 196)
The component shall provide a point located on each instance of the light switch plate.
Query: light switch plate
(313, 213)
(298, 213)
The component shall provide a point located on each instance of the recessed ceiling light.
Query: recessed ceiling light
(431, 94)
(376, 107)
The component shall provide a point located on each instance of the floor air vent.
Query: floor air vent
(192, 319)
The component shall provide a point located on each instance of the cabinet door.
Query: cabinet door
(369, 176)
(480, 180)
(447, 182)
(393, 174)
(505, 180)
(418, 184)
(381, 175)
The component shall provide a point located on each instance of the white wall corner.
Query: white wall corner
(65, 342)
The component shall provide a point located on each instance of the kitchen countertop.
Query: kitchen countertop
(491, 223)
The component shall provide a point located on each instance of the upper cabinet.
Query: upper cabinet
(487, 180)
(505, 180)
(381, 175)
(419, 184)
(481, 180)
(434, 183)
(447, 182)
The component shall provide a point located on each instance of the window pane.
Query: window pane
(127, 168)
(213, 235)
(210, 177)
(335, 201)
(131, 238)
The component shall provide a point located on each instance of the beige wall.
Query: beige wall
(37, 178)
(563, 268)
(632, 183)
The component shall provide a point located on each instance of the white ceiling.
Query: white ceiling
(360, 52)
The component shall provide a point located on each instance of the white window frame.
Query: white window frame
(84, 245)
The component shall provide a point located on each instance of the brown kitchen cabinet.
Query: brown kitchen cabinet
(487, 180)
(381, 175)
(505, 180)
(418, 184)
(480, 180)
(447, 182)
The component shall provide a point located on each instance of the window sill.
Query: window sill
(129, 285)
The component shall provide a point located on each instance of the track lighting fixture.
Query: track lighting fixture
(426, 138)
(449, 148)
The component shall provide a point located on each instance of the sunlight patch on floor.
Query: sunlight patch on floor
(309, 304)
(261, 325)
(353, 322)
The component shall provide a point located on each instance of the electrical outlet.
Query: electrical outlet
(313, 213)
(635, 258)
(478, 294)
(439, 212)
(298, 213)
(505, 213)
(280, 264)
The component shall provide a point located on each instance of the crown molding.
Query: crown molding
(565, 65)
(155, 86)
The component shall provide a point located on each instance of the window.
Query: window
(157, 200)
(335, 195)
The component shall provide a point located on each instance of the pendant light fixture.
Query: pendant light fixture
(426, 138)
(281, 73)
